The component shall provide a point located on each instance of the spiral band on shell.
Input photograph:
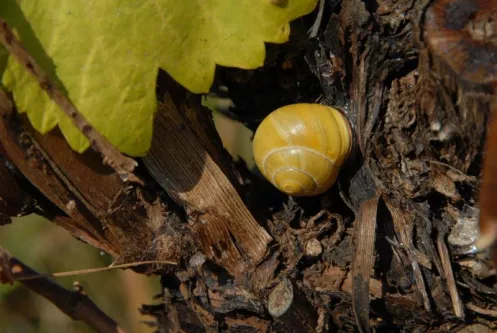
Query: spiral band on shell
(299, 148)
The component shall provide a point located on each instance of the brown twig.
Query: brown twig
(123, 165)
(94, 270)
(443, 252)
(404, 230)
(74, 304)
(480, 310)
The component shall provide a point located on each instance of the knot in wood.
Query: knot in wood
(280, 299)
(483, 27)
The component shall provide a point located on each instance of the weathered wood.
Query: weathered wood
(364, 257)
(405, 72)
(114, 217)
(12, 199)
(488, 208)
(227, 231)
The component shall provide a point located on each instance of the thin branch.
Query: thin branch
(313, 32)
(448, 166)
(480, 310)
(74, 304)
(443, 252)
(94, 270)
(123, 165)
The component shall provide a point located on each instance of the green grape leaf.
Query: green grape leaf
(105, 54)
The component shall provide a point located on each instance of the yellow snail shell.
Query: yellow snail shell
(299, 148)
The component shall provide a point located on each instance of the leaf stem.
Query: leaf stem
(123, 165)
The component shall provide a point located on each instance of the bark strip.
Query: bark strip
(363, 261)
(227, 231)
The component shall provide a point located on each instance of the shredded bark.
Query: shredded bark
(390, 248)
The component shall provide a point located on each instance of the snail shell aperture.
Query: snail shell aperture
(300, 148)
